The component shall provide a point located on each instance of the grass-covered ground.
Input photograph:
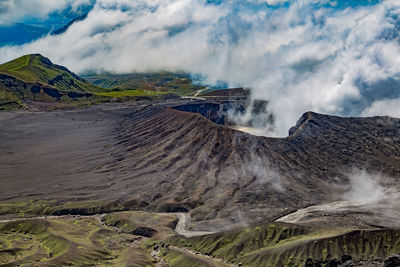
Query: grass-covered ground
(35, 78)
(33, 208)
(134, 238)
(115, 239)
(37, 69)
(132, 93)
(148, 224)
(181, 258)
(9, 101)
(290, 245)
(138, 83)
(69, 242)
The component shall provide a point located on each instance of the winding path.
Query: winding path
(383, 213)
(181, 227)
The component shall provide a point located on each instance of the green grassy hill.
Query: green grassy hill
(38, 69)
(34, 77)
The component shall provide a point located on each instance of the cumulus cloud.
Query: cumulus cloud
(384, 107)
(13, 10)
(300, 55)
(274, 2)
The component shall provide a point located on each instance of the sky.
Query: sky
(37, 11)
(335, 57)
(21, 22)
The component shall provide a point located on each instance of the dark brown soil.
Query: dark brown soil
(175, 161)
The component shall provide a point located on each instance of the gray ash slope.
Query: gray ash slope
(170, 160)
(221, 172)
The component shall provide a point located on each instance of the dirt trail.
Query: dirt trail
(195, 96)
(181, 226)
(384, 213)
(199, 92)
(302, 214)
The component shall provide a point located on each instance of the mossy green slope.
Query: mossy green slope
(145, 83)
(178, 259)
(38, 69)
(34, 77)
(32, 208)
(67, 242)
(290, 245)
(159, 226)
(8, 100)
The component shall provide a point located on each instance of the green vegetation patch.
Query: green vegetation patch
(15, 65)
(178, 259)
(145, 224)
(177, 83)
(37, 69)
(234, 244)
(32, 240)
(9, 101)
(30, 208)
(27, 208)
(34, 77)
(85, 208)
(67, 242)
(131, 93)
(290, 245)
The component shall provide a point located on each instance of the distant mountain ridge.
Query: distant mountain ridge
(66, 27)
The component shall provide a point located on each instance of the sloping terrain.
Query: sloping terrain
(33, 82)
(177, 83)
(64, 28)
(232, 93)
(34, 77)
(159, 159)
(76, 241)
(38, 69)
(202, 165)
(291, 245)
(118, 157)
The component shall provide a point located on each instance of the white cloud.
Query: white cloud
(300, 58)
(274, 2)
(77, 4)
(13, 10)
(385, 107)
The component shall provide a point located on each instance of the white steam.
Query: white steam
(300, 56)
(263, 174)
(365, 188)
(370, 199)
